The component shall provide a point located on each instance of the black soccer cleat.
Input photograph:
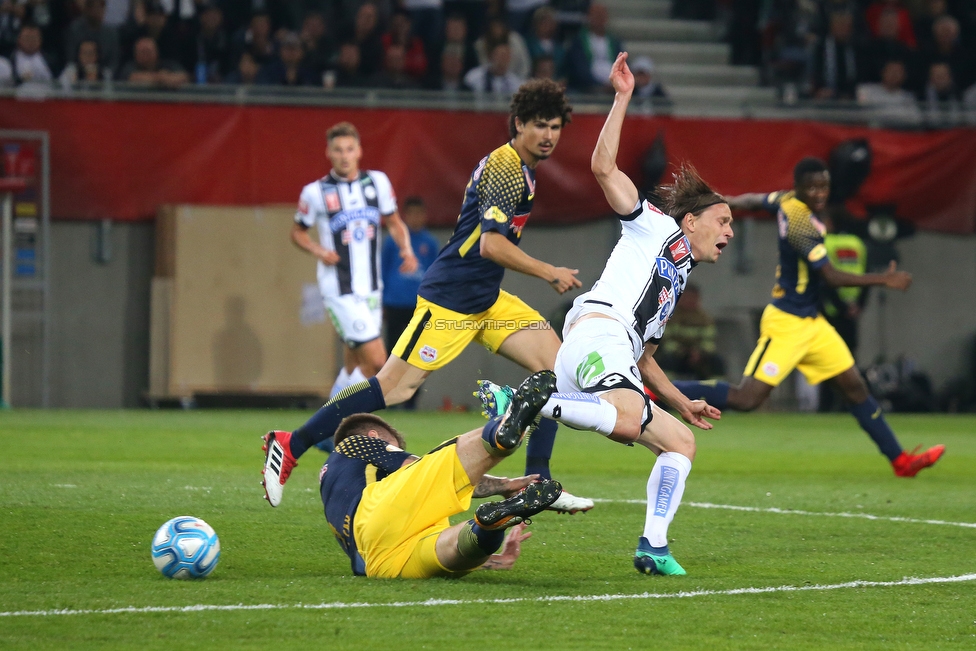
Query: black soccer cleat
(532, 499)
(526, 404)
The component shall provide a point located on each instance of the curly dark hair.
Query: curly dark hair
(688, 193)
(808, 165)
(361, 424)
(539, 98)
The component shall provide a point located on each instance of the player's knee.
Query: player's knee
(627, 428)
(685, 443)
(748, 401)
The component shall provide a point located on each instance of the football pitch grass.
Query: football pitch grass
(828, 550)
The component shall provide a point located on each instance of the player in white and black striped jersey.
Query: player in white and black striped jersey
(348, 207)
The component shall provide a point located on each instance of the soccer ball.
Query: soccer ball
(185, 548)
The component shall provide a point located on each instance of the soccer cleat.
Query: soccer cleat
(495, 398)
(652, 564)
(569, 503)
(908, 464)
(278, 464)
(526, 403)
(532, 499)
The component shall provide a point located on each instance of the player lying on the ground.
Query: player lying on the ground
(389, 509)
(460, 299)
(613, 330)
(794, 335)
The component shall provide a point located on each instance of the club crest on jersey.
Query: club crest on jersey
(771, 369)
(332, 202)
(518, 223)
(369, 192)
(680, 249)
(428, 354)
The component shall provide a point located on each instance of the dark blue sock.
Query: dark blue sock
(489, 430)
(872, 421)
(538, 450)
(713, 392)
(643, 545)
(488, 540)
(363, 397)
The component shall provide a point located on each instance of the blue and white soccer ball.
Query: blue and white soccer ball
(185, 548)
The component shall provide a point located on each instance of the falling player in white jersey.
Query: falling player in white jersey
(347, 208)
(612, 331)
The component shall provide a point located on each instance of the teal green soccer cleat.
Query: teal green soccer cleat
(652, 564)
(495, 399)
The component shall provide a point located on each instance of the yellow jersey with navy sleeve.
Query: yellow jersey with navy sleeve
(498, 198)
(357, 462)
(801, 254)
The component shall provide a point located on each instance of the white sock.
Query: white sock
(356, 376)
(664, 490)
(341, 382)
(582, 411)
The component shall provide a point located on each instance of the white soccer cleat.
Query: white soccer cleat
(569, 503)
(278, 464)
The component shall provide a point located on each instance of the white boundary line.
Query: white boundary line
(463, 602)
(755, 509)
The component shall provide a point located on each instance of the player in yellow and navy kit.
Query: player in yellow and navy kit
(460, 298)
(389, 509)
(793, 334)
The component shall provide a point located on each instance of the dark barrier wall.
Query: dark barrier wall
(122, 160)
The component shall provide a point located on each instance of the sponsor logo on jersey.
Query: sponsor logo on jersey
(428, 354)
(518, 223)
(680, 249)
(343, 219)
(303, 207)
(496, 215)
(666, 269)
(771, 369)
(332, 203)
(819, 252)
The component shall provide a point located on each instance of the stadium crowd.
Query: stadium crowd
(479, 45)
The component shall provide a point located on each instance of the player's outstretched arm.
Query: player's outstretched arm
(892, 278)
(497, 248)
(301, 238)
(401, 235)
(751, 201)
(694, 412)
(620, 191)
(502, 486)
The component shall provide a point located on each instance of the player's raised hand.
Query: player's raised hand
(698, 411)
(510, 486)
(621, 78)
(410, 262)
(511, 549)
(564, 279)
(895, 279)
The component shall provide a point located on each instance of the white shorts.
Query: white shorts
(597, 356)
(357, 319)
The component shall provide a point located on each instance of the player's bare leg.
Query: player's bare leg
(750, 394)
(870, 417)
(370, 357)
(534, 349)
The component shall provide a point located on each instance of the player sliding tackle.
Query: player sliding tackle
(612, 331)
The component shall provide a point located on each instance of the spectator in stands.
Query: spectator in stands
(592, 53)
(645, 86)
(90, 27)
(13, 16)
(544, 39)
(400, 289)
(427, 17)
(348, 70)
(256, 39)
(904, 31)
(29, 63)
(86, 67)
(521, 14)
(288, 69)
(451, 77)
(456, 33)
(497, 32)
(689, 349)
(941, 96)
(148, 69)
(945, 47)
(835, 65)
(544, 67)
(885, 46)
(210, 55)
(394, 73)
(316, 41)
(246, 72)
(6, 73)
(413, 54)
(889, 98)
(924, 22)
(496, 76)
(367, 34)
